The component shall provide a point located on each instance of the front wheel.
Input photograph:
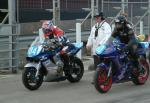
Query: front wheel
(102, 83)
(29, 80)
(76, 71)
(140, 74)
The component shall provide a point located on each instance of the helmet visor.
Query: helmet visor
(47, 31)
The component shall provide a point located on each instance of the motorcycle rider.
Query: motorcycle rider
(53, 32)
(100, 32)
(129, 23)
(126, 35)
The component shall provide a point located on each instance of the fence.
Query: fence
(135, 10)
(9, 48)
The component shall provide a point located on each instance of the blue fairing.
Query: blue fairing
(100, 49)
(103, 50)
(45, 54)
(73, 49)
(34, 51)
(78, 45)
(144, 44)
(40, 48)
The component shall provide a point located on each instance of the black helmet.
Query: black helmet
(120, 19)
(100, 14)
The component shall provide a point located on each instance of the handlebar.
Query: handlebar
(51, 45)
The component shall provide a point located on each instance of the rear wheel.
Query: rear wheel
(140, 74)
(101, 81)
(29, 80)
(76, 71)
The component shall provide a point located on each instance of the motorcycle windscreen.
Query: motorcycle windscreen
(34, 50)
(41, 36)
(36, 47)
(40, 39)
(106, 51)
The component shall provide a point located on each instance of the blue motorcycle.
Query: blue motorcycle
(51, 62)
(116, 66)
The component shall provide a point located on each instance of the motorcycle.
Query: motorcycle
(50, 62)
(116, 66)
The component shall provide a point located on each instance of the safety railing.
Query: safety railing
(9, 51)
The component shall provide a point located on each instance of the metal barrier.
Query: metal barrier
(9, 48)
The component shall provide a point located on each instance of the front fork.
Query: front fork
(109, 70)
(38, 69)
(107, 67)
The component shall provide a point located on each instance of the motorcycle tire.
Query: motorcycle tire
(141, 74)
(28, 76)
(79, 72)
(102, 83)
